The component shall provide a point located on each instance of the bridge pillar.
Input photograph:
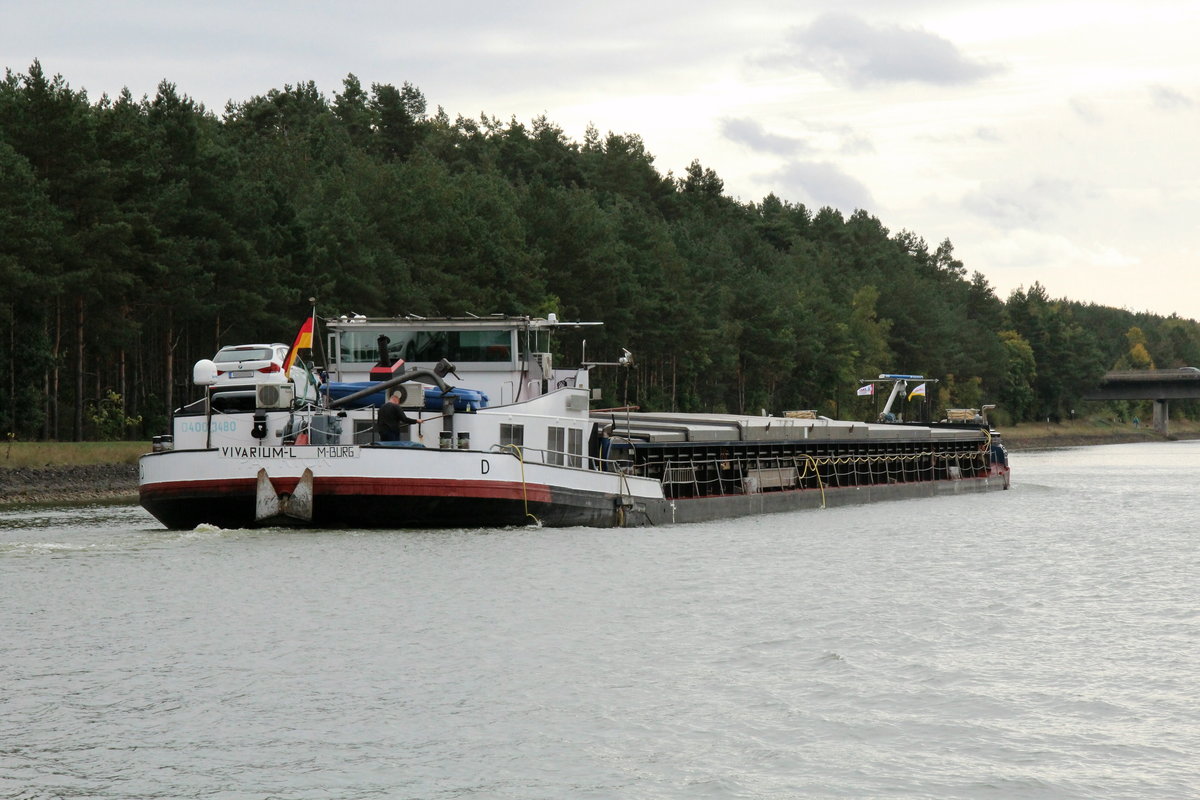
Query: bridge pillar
(1161, 416)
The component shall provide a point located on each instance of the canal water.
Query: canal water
(1042, 642)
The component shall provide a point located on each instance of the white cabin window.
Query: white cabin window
(512, 434)
(556, 446)
(364, 431)
(575, 447)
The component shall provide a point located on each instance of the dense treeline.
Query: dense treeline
(137, 236)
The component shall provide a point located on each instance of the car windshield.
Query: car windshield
(247, 354)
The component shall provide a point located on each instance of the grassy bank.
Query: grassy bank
(18, 455)
(1091, 431)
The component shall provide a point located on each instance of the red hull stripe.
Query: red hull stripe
(383, 487)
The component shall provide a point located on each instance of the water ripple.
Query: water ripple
(1037, 643)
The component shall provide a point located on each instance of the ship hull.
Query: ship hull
(706, 509)
(438, 489)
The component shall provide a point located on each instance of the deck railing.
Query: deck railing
(723, 474)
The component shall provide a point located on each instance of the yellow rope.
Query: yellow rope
(623, 489)
(820, 484)
(816, 463)
(517, 450)
(816, 473)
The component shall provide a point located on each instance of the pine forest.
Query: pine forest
(140, 235)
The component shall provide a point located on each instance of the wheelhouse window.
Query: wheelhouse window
(470, 346)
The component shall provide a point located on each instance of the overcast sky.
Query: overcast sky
(1049, 141)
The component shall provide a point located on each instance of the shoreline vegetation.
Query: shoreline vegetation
(44, 473)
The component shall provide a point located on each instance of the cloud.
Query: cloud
(1026, 206)
(1038, 256)
(1086, 111)
(821, 184)
(1169, 99)
(855, 144)
(751, 133)
(849, 51)
(819, 138)
(986, 134)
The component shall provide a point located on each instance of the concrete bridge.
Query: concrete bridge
(1159, 385)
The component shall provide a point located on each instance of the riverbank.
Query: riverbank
(1082, 433)
(69, 472)
(76, 483)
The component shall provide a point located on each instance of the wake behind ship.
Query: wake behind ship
(517, 443)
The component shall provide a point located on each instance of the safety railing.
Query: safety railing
(730, 474)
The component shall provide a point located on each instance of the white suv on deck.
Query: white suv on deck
(251, 364)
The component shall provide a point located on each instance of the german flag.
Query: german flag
(303, 342)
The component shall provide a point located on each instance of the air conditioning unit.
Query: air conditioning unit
(274, 395)
(412, 395)
(545, 362)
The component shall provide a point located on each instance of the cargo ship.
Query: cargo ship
(497, 435)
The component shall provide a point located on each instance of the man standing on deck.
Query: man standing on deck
(392, 419)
